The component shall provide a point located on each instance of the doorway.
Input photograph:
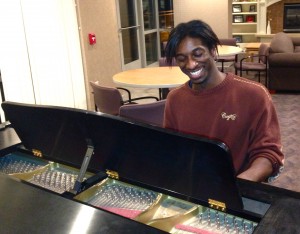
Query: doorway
(129, 34)
(143, 27)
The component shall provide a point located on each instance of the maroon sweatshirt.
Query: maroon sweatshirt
(238, 112)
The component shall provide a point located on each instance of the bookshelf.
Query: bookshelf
(245, 20)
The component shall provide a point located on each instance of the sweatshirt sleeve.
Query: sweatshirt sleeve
(265, 141)
(169, 120)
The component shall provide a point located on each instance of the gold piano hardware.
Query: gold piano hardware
(112, 174)
(37, 153)
(217, 205)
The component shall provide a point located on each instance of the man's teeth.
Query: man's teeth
(196, 73)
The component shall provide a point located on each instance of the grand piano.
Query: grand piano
(74, 171)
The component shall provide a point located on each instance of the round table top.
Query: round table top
(151, 77)
(225, 50)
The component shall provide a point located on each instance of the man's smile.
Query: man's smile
(196, 73)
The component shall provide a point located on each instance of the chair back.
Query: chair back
(151, 113)
(228, 41)
(263, 52)
(107, 99)
(162, 62)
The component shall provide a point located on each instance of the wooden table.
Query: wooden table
(225, 50)
(252, 48)
(162, 78)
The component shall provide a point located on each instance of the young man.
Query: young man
(222, 106)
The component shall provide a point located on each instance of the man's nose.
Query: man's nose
(191, 63)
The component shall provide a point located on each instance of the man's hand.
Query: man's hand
(259, 171)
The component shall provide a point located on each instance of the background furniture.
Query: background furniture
(284, 63)
(260, 64)
(109, 100)
(230, 58)
(245, 18)
(162, 62)
(252, 48)
(152, 113)
(162, 78)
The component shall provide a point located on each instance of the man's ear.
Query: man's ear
(214, 53)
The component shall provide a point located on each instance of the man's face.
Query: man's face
(195, 60)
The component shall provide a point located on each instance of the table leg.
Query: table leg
(163, 93)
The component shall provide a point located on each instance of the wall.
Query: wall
(101, 60)
(213, 12)
(40, 54)
(14, 59)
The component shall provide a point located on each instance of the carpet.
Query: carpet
(288, 112)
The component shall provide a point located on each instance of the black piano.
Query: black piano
(85, 172)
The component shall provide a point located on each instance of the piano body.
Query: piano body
(81, 171)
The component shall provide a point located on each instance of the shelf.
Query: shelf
(245, 13)
(245, 16)
(243, 3)
(244, 34)
(245, 23)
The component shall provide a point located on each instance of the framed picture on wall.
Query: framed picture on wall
(252, 8)
(238, 19)
(236, 8)
(238, 38)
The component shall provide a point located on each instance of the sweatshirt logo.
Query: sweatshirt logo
(228, 117)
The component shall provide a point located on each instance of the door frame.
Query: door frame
(137, 63)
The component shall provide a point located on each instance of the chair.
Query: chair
(231, 58)
(259, 65)
(162, 62)
(109, 100)
(163, 92)
(151, 113)
(284, 63)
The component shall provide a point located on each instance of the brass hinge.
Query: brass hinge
(37, 153)
(112, 174)
(217, 205)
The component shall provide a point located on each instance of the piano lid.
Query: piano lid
(189, 166)
(58, 133)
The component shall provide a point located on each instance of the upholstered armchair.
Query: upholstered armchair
(284, 63)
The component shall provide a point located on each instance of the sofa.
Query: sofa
(284, 63)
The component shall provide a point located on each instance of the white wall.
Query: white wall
(14, 61)
(40, 56)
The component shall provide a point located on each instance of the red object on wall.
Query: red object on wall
(250, 18)
(92, 38)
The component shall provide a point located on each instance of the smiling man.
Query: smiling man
(232, 109)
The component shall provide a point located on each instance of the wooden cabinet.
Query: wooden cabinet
(245, 20)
